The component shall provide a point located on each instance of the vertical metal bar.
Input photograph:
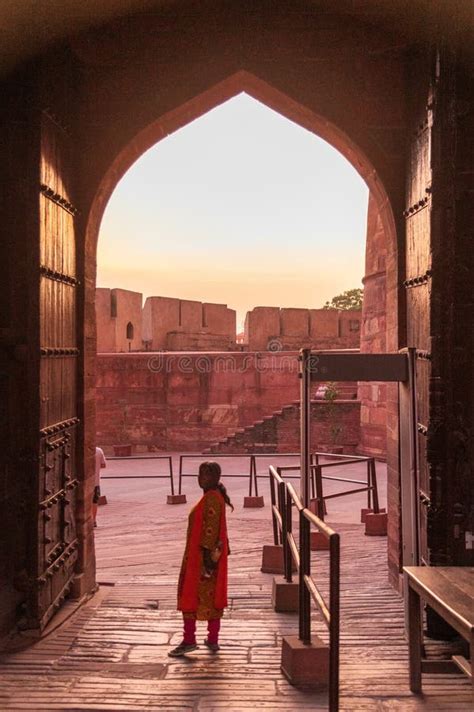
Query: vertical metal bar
(255, 475)
(273, 502)
(334, 622)
(280, 496)
(369, 486)
(180, 473)
(409, 464)
(414, 464)
(375, 492)
(289, 530)
(305, 413)
(319, 492)
(250, 475)
(305, 570)
(311, 469)
(171, 474)
(284, 526)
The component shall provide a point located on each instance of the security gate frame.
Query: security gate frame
(389, 367)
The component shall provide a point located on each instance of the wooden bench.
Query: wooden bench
(449, 590)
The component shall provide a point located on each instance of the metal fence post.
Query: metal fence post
(180, 473)
(305, 415)
(319, 491)
(304, 595)
(284, 528)
(171, 475)
(334, 622)
(375, 494)
(289, 531)
(273, 503)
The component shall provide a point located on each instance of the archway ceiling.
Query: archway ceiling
(28, 27)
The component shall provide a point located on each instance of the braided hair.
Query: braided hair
(213, 469)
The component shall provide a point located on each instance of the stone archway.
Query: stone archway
(244, 81)
(393, 83)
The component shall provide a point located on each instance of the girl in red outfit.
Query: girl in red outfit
(202, 587)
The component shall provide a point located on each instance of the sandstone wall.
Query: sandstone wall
(274, 329)
(187, 402)
(119, 320)
(373, 396)
(186, 325)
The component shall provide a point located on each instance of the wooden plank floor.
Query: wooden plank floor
(112, 654)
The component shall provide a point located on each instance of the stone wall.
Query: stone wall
(119, 320)
(373, 338)
(275, 328)
(187, 402)
(280, 431)
(184, 325)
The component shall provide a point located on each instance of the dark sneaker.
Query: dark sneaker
(182, 649)
(213, 647)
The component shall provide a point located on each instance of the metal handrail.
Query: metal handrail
(308, 589)
(167, 476)
(316, 469)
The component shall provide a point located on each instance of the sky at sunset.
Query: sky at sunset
(241, 207)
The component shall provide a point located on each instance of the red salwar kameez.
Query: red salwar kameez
(202, 590)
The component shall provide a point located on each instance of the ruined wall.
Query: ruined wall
(184, 325)
(119, 320)
(275, 329)
(373, 338)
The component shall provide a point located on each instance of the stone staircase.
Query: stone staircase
(280, 431)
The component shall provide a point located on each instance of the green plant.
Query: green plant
(348, 300)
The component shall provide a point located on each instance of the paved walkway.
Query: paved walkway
(112, 653)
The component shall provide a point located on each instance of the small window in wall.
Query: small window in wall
(130, 331)
(354, 325)
(113, 304)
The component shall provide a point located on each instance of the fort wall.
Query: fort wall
(187, 401)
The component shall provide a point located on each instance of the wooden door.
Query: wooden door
(418, 286)
(57, 544)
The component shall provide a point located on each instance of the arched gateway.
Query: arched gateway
(75, 120)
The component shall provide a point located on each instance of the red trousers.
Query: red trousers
(213, 627)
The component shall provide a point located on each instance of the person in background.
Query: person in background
(99, 463)
(202, 587)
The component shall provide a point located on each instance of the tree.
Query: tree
(350, 299)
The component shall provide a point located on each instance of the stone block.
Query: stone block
(272, 559)
(285, 596)
(376, 524)
(305, 664)
(324, 323)
(176, 499)
(294, 322)
(318, 542)
(253, 502)
(365, 510)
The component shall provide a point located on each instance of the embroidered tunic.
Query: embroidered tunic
(202, 592)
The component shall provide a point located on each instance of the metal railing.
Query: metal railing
(316, 479)
(195, 456)
(284, 498)
(168, 475)
(251, 474)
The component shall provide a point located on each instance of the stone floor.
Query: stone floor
(111, 654)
